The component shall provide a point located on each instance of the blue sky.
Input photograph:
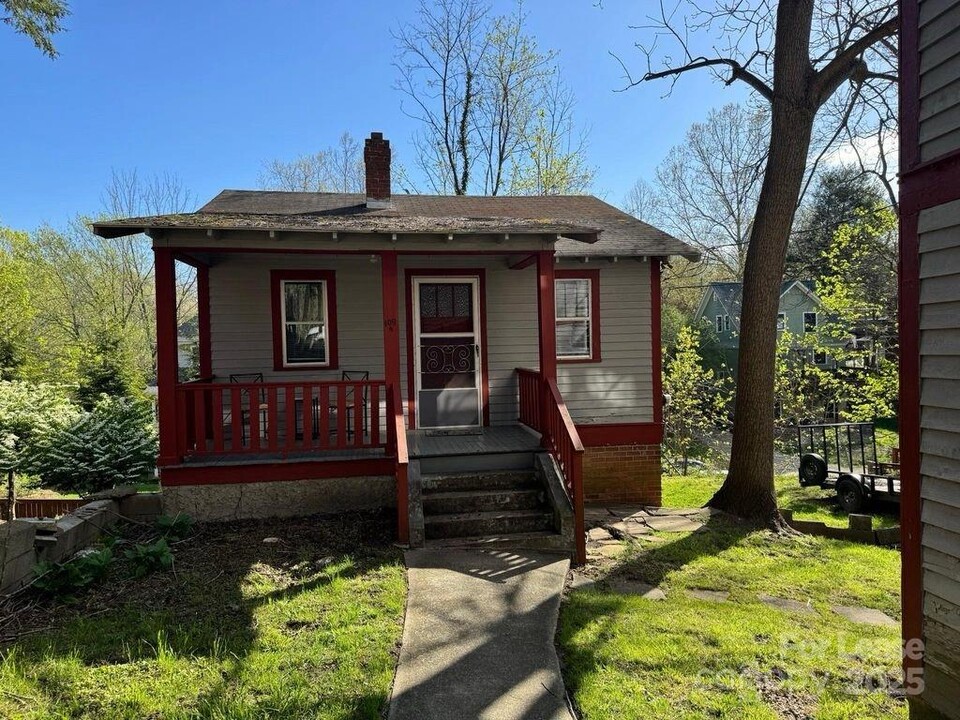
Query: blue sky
(211, 89)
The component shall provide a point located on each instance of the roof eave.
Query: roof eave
(115, 229)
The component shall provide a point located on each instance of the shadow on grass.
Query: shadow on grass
(653, 562)
(600, 612)
(206, 610)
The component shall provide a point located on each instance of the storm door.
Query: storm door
(447, 354)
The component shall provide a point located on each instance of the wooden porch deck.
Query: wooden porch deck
(488, 440)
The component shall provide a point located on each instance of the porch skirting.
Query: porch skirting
(622, 474)
(279, 498)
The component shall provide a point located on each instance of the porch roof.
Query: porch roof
(583, 224)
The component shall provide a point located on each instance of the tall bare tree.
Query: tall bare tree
(710, 183)
(495, 116)
(338, 168)
(440, 56)
(800, 56)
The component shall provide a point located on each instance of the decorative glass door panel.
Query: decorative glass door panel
(447, 352)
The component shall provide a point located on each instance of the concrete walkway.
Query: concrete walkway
(478, 637)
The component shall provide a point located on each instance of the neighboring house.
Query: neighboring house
(358, 349)
(929, 414)
(800, 313)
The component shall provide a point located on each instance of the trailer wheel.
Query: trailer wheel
(813, 470)
(850, 495)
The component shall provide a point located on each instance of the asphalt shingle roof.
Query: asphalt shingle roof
(589, 226)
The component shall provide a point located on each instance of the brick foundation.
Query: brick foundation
(622, 474)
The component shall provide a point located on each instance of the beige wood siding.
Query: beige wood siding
(939, 78)
(940, 443)
(620, 388)
(241, 323)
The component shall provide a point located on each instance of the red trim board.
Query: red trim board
(594, 277)
(409, 275)
(277, 277)
(273, 471)
(600, 434)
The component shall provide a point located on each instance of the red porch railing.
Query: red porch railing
(543, 409)
(278, 417)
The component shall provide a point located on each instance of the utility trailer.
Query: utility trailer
(844, 456)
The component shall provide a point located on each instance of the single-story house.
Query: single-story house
(419, 351)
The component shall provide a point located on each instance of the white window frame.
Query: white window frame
(326, 323)
(816, 321)
(570, 320)
(719, 323)
(726, 323)
(781, 321)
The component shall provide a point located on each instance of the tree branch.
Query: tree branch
(849, 60)
(737, 72)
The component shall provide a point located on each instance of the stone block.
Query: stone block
(17, 571)
(860, 522)
(117, 493)
(16, 538)
(142, 507)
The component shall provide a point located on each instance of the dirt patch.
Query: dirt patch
(217, 559)
(788, 705)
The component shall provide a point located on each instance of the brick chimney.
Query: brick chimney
(376, 159)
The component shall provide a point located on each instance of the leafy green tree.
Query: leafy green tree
(111, 445)
(840, 194)
(697, 398)
(28, 413)
(107, 367)
(16, 308)
(39, 20)
(858, 289)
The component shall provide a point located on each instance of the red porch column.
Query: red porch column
(166, 298)
(391, 372)
(547, 314)
(391, 323)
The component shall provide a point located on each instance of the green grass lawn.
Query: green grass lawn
(807, 503)
(628, 657)
(305, 627)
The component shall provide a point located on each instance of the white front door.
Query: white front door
(446, 357)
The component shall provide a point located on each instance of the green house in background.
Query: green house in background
(719, 314)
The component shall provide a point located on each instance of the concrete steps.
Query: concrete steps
(472, 524)
(495, 504)
(460, 501)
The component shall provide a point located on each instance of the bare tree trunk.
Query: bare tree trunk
(748, 490)
(11, 496)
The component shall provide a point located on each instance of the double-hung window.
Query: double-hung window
(781, 321)
(304, 319)
(809, 322)
(577, 300)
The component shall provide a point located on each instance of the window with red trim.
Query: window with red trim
(577, 302)
(304, 319)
